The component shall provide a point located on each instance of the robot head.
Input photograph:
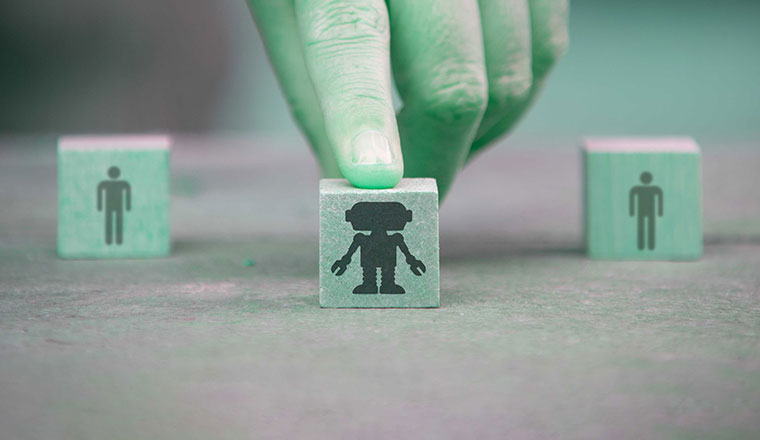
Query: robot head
(380, 216)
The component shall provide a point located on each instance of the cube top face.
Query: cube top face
(126, 142)
(379, 248)
(643, 199)
(113, 196)
(641, 145)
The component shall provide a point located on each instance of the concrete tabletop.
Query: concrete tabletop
(225, 339)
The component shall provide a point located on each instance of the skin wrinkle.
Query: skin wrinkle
(346, 22)
(339, 43)
(349, 49)
(353, 77)
(370, 97)
(356, 88)
(506, 89)
(466, 71)
(508, 59)
(360, 109)
(418, 65)
(549, 39)
(348, 32)
(457, 92)
(439, 66)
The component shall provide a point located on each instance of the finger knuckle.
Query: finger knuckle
(510, 86)
(455, 93)
(336, 22)
(548, 50)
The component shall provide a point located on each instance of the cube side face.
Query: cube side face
(614, 185)
(83, 176)
(379, 223)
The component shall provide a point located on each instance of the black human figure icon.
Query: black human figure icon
(117, 194)
(378, 249)
(642, 200)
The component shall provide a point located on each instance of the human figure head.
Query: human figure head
(646, 177)
(114, 172)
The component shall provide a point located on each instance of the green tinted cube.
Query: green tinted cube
(113, 197)
(378, 248)
(643, 198)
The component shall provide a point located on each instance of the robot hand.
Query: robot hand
(417, 266)
(340, 266)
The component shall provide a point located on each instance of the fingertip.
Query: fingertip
(374, 176)
(374, 162)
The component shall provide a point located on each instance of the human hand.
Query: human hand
(466, 71)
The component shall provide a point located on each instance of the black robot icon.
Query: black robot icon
(378, 249)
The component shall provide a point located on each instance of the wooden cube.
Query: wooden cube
(378, 247)
(113, 196)
(643, 198)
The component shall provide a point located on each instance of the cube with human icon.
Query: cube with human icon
(113, 196)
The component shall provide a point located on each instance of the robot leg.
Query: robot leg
(369, 280)
(388, 281)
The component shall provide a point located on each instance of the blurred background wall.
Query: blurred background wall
(634, 67)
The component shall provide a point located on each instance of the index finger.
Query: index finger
(347, 50)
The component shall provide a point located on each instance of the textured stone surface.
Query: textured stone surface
(104, 178)
(379, 227)
(643, 199)
(532, 339)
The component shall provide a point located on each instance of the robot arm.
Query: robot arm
(340, 266)
(417, 267)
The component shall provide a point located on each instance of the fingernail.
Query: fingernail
(371, 148)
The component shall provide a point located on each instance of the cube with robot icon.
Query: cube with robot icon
(379, 248)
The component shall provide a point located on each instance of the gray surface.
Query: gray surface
(532, 339)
